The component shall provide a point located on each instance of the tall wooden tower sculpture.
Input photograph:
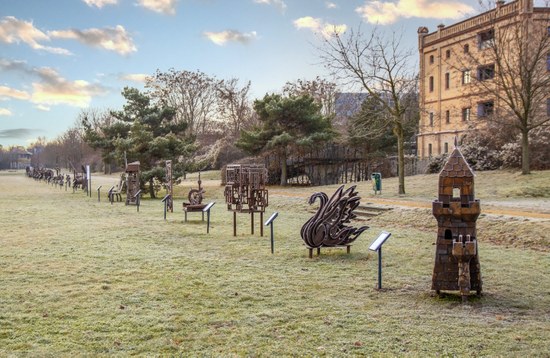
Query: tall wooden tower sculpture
(456, 210)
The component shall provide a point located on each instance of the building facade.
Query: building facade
(457, 70)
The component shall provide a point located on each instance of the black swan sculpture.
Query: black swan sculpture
(327, 227)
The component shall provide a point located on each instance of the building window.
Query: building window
(431, 59)
(466, 77)
(447, 116)
(447, 80)
(486, 39)
(448, 54)
(485, 109)
(430, 150)
(431, 116)
(446, 147)
(466, 114)
(466, 48)
(431, 84)
(486, 72)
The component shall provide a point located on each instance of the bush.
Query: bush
(436, 163)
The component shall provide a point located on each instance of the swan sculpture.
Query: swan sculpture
(326, 227)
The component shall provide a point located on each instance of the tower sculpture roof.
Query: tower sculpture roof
(456, 166)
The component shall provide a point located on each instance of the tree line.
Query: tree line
(190, 117)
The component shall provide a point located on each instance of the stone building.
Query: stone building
(451, 97)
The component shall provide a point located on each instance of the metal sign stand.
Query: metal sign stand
(137, 197)
(270, 223)
(165, 200)
(377, 246)
(110, 194)
(207, 210)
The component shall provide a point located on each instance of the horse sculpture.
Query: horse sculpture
(327, 227)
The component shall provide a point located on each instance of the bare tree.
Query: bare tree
(234, 105)
(192, 94)
(380, 66)
(512, 63)
(321, 90)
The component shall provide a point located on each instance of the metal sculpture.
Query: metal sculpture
(327, 227)
(456, 210)
(245, 192)
(132, 183)
(195, 197)
(169, 187)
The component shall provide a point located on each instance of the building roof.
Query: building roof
(456, 166)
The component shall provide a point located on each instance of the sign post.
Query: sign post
(137, 196)
(98, 193)
(89, 180)
(377, 246)
(167, 198)
(270, 223)
(207, 210)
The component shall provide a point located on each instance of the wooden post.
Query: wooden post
(262, 227)
(234, 223)
(251, 223)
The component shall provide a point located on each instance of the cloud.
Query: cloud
(43, 108)
(13, 30)
(319, 26)
(277, 3)
(18, 133)
(7, 92)
(49, 87)
(5, 112)
(221, 38)
(167, 7)
(385, 13)
(112, 39)
(54, 89)
(134, 77)
(100, 3)
(331, 5)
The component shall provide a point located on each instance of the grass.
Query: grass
(81, 277)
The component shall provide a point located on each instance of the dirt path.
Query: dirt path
(492, 208)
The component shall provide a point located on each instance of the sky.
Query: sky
(59, 57)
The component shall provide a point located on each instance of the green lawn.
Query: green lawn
(81, 277)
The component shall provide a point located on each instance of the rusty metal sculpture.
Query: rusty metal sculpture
(327, 227)
(195, 197)
(245, 192)
(456, 210)
(132, 183)
(169, 187)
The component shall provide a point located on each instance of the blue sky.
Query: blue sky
(60, 56)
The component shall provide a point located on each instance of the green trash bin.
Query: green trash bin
(376, 182)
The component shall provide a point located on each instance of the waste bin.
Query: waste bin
(376, 182)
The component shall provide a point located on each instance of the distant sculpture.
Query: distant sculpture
(456, 210)
(132, 183)
(327, 227)
(169, 186)
(245, 192)
(195, 197)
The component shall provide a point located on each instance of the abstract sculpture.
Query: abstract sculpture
(132, 183)
(327, 227)
(245, 192)
(456, 210)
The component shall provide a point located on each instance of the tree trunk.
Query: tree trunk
(283, 168)
(400, 159)
(525, 167)
(152, 188)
